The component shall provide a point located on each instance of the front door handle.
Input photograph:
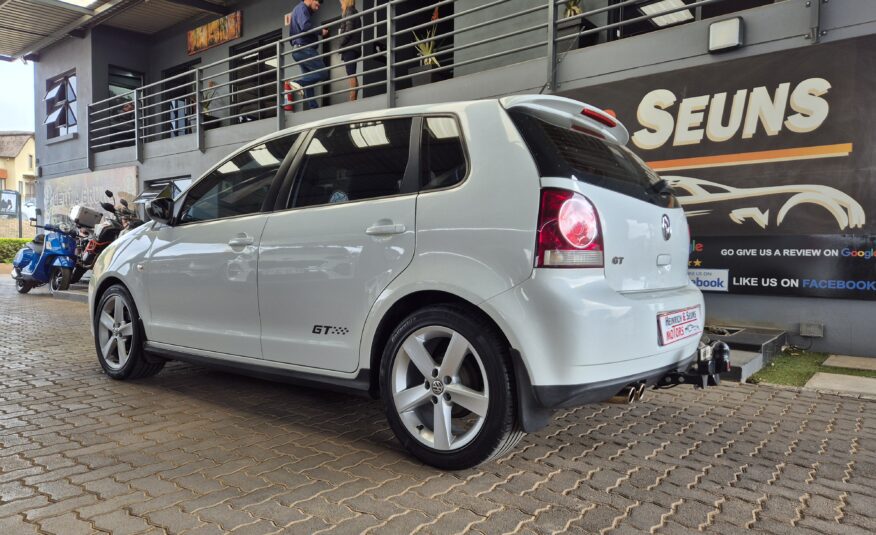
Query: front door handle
(383, 229)
(241, 240)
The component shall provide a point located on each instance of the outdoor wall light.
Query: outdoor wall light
(725, 35)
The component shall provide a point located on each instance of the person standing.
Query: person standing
(304, 52)
(351, 29)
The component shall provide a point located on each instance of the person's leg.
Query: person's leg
(300, 55)
(308, 64)
(319, 73)
(350, 66)
(354, 89)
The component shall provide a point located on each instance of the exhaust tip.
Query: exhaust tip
(640, 391)
(626, 395)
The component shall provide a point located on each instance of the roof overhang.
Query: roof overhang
(32, 25)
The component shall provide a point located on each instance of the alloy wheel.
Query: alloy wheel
(115, 332)
(439, 388)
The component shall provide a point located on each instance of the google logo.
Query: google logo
(866, 255)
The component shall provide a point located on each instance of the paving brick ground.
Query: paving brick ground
(197, 451)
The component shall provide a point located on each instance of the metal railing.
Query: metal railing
(397, 48)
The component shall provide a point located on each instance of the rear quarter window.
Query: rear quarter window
(562, 152)
(443, 158)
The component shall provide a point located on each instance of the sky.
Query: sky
(16, 96)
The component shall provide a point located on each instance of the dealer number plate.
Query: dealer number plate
(679, 324)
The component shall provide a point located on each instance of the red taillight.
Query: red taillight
(568, 231)
(599, 117)
(577, 222)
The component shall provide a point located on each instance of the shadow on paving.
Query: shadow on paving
(200, 451)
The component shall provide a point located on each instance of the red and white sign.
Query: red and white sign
(679, 324)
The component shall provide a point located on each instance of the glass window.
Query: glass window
(239, 186)
(60, 102)
(55, 91)
(443, 157)
(123, 81)
(352, 162)
(252, 91)
(561, 152)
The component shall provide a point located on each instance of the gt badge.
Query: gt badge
(329, 329)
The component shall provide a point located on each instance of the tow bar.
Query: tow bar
(712, 361)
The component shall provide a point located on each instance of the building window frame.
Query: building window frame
(250, 79)
(60, 101)
(121, 81)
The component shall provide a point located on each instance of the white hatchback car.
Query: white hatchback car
(476, 265)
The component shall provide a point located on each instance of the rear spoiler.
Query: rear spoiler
(570, 114)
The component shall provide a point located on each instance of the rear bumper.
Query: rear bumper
(571, 328)
(536, 404)
(561, 396)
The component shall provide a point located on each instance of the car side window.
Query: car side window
(238, 186)
(443, 158)
(354, 161)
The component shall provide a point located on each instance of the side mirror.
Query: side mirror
(108, 193)
(160, 209)
(108, 207)
(124, 203)
(39, 212)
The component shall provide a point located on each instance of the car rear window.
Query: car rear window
(562, 152)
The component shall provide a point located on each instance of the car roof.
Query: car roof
(619, 133)
(373, 115)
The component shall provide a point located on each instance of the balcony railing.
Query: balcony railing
(399, 47)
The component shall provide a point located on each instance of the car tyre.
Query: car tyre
(60, 279)
(468, 392)
(118, 337)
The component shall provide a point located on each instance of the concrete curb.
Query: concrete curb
(743, 364)
(72, 296)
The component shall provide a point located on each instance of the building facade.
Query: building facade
(18, 163)
(756, 111)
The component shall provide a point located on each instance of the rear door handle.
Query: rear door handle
(385, 229)
(241, 240)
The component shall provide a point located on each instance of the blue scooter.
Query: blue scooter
(49, 258)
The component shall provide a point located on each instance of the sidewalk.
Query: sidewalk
(842, 383)
(854, 376)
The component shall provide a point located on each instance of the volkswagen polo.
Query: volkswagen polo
(475, 265)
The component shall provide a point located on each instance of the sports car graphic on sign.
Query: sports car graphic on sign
(694, 192)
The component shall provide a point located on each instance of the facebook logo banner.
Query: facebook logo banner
(710, 280)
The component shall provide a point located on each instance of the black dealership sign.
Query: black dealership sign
(773, 158)
(817, 266)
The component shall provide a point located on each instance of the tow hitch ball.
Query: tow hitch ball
(712, 361)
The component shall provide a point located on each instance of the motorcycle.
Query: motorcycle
(48, 258)
(130, 218)
(98, 232)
